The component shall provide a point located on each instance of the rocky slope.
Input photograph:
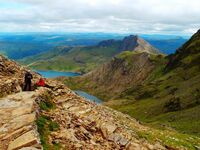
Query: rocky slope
(86, 125)
(128, 69)
(85, 59)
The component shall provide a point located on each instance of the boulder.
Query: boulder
(24, 140)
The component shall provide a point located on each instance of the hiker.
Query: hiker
(41, 83)
(27, 80)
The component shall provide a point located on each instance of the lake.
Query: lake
(88, 96)
(54, 74)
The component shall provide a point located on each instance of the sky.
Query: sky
(180, 17)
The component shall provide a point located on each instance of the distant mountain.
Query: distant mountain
(161, 91)
(135, 43)
(85, 59)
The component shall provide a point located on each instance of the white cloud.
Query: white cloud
(136, 16)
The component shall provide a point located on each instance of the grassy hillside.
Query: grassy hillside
(168, 98)
(77, 59)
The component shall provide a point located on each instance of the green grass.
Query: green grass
(171, 139)
(47, 103)
(45, 124)
(45, 127)
(78, 59)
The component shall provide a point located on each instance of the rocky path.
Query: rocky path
(17, 122)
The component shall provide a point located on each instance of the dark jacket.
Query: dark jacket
(28, 77)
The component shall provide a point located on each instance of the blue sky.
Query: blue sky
(12, 5)
(180, 17)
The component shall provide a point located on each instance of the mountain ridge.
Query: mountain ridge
(84, 59)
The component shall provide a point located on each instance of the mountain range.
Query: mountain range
(85, 59)
(162, 91)
(21, 45)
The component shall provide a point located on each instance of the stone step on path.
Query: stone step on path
(17, 122)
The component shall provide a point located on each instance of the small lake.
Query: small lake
(88, 96)
(54, 74)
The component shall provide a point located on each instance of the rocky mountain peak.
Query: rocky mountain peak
(135, 43)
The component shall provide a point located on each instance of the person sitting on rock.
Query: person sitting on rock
(40, 83)
(27, 79)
